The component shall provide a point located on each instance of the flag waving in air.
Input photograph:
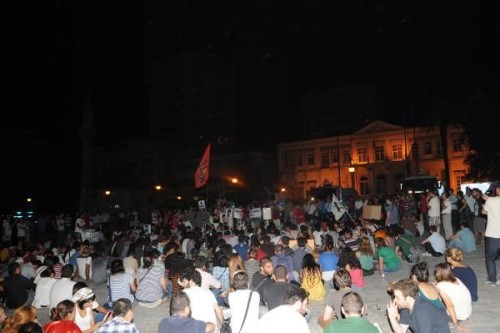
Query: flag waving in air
(338, 208)
(203, 170)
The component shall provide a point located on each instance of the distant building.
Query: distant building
(380, 155)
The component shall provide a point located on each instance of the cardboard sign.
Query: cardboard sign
(256, 213)
(201, 204)
(372, 212)
(266, 213)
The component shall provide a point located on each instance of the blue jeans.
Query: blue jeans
(492, 251)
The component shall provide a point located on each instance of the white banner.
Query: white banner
(266, 213)
(337, 207)
(256, 213)
(237, 213)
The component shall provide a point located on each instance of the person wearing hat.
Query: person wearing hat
(84, 316)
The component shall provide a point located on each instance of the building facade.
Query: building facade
(373, 160)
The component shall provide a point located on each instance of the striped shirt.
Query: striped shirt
(119, 285)
(150, 289)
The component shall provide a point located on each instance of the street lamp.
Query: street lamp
(234, 180)
(352, 170)
(107, 192)
(158, 187)
(283, 189)
(28, 199)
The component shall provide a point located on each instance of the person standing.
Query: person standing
(434, 212)
(492, 209)
(446, 211)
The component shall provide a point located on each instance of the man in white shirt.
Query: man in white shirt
(492, 208)
(208, 281)
(288, 317)
(434, 213)
(204, 305)
(435, 244)
(62, 289)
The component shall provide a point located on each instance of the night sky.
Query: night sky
(59, 52)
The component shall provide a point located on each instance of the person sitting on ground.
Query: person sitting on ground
(23, 314)
(365, 256)
(342, 283)
(122, 321)
(288, 317)
(152, 284)
(274, 293)
(464, 239)
(465, 273)
(353, 266)
(84, 316)
(352, 307)
(204, 306)
(388, 260)
(281, 259)
(311, 278)
(328, 260)
(435, 244)
(180, 318)
(238, 302)
(454, 293)
(62, 319)
(419, 315)
(18, 290)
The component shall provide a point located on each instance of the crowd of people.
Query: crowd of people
(258, 275)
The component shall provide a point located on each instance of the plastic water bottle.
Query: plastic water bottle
(383, 276)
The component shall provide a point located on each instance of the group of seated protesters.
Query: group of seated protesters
(254, 277)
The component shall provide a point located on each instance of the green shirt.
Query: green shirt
(351, 325)
(391, 259)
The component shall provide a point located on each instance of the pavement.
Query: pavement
(485, 315)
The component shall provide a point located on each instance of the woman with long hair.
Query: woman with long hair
(365, 256)
(311, 278)
(62, 319)
(235, 264)
(388, 260)
(455, 258)
(22, 315)
(453, 292)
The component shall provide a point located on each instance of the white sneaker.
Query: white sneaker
(491, 283)
(497, 283)
(426, 254)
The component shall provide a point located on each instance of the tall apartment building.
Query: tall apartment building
(379, 156)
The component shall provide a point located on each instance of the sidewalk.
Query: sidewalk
(485, 316)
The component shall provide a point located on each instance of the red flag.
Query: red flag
(203, 170)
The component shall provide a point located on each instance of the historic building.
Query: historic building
(373, 160)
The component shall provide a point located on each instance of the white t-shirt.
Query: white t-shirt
(492, 207)
(434, 207)
(42, 293)
(61, 289)
(238, 301)
(459, 296)
(438, 242)
(82, 263)
(208, 280)
(282, 319)
(202, 304)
